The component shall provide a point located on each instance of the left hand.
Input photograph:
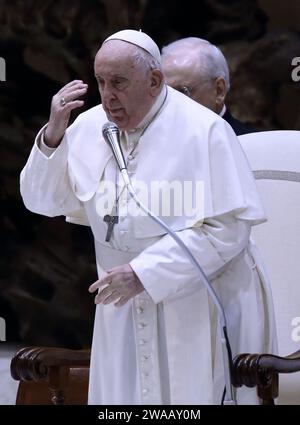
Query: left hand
(121, 283)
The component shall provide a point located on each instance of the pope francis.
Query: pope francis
(156, 337)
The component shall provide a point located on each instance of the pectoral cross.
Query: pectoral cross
(111, 220)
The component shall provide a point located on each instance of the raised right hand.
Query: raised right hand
(60, 112)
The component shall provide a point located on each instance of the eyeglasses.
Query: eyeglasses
(190, 91)
(185, 90)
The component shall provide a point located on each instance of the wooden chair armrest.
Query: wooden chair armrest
(262, 370)
(51, 365)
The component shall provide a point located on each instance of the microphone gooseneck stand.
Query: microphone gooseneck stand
(111, 135)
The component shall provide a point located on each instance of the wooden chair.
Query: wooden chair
(58, 376)
(51, 375)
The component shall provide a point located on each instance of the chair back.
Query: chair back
(274, 157)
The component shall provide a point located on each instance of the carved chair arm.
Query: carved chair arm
(49, 364)
(262, 370)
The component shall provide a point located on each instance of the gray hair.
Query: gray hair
(212, 62)
(144, 59)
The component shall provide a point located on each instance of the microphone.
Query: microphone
(111, 135)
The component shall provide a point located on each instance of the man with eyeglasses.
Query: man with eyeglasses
(199, 69)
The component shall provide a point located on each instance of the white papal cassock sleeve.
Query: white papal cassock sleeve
(165, 270)
(45, 184)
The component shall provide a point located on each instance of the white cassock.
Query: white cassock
(163, 346)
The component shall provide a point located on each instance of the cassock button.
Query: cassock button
(145, 391)
(144, 358)
(139, 310)
(141, 325)
(142, 341)
(130, 157)
(145, 374)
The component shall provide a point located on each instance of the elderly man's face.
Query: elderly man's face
(127, 89)
(182, 73)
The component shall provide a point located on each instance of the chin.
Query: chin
(122, 123)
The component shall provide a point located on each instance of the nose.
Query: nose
(107, 94)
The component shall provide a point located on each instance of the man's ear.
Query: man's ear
(156, 82)
(220, 90)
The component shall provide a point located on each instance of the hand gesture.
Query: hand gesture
(61, 106)
(119, 285)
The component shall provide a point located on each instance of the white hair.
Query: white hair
(143, 58)
(212, 63)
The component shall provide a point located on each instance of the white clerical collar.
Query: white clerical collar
(222, 113)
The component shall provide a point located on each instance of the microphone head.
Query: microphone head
(111, 135)
(109, 127)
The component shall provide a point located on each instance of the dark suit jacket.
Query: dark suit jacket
(238, 127)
